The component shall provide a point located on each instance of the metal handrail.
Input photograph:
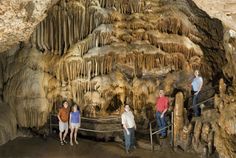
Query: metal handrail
(96, 131)
(202, 92)
(200, 103)
(96, 119)
(86, 129)
(159, 130)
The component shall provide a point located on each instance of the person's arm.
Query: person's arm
(135, 127)
(156, 103)
(126, 129)
(163, 113)
(200, 86)
(70, 120)
(58, 116)
(166, 108)
(79, 119)
(124, 125)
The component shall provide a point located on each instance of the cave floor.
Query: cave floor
(38, 148)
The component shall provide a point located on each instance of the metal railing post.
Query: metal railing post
(150, 128)
(50, 123)
(172, 129)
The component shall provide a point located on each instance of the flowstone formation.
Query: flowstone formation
(214, 131)
(101, 54)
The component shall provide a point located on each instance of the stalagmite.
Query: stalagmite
(178, 115)
(222, 88)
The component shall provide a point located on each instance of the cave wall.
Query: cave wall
(8, 124)
(223, 10)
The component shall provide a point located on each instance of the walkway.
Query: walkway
(38, 148)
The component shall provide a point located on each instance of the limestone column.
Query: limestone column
(178, 115)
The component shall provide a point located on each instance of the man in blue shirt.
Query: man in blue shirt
(196, 88)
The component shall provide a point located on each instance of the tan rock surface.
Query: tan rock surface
(225, 10)
(8, 124)
(18, 19)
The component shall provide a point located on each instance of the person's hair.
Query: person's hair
(161, 90)
(126, 105)
(64, 101)
(74, 107)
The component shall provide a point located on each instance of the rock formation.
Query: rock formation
(102, 54)
(223, 10)
(18, 19)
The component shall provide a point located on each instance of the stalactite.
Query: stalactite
(89, 70)
(97, 68)
(38, 37)
(41, 36)
(51, 31)
(65, 34)
(70, 30)
(45, 35)
(59, 35)
(33, 39)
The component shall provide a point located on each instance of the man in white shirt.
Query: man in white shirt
(196, 88)
(127, 120)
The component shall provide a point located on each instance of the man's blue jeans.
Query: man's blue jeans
(161, 122)
(129, 139)
(196, 109)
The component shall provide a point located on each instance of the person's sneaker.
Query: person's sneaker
(162, 137)
(76, 142)
(71, 143)
(62, 143)
(65, 141)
